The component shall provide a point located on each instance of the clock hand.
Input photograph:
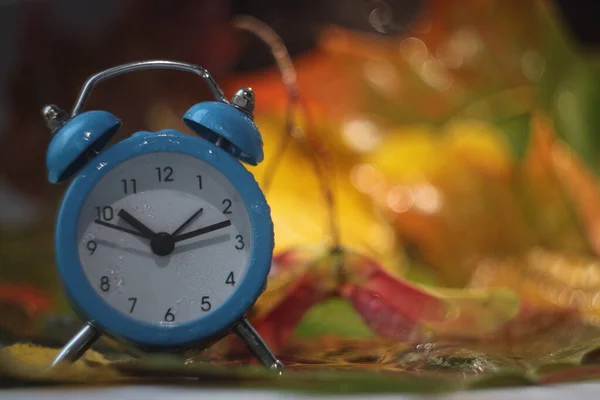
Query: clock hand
(187, 222)
(131, 220)
(201, 231)
(120, 228)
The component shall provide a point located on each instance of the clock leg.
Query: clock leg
(79, 344)
(257, 345)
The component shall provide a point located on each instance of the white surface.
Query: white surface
(580, 391)
(196, 273)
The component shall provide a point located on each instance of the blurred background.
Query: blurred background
(461, 138)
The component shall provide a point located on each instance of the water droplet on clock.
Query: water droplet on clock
(212, 155)
(257, 208)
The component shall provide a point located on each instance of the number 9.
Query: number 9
(91, 246)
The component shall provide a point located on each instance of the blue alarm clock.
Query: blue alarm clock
(163, 240)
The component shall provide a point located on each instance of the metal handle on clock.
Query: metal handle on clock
(148, 64)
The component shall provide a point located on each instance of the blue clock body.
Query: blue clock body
(226, 136)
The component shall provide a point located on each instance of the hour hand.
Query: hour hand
(122, 229)
(137, 224)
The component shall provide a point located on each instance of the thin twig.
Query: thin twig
(293, 130)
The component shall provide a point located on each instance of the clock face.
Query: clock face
(164, 238)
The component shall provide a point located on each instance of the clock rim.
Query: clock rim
(93, 308)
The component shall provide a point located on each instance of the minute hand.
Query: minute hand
(201, 231)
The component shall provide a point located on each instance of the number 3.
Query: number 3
(240, 244)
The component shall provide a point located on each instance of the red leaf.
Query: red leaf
(579, 373)
(411, 301)
(34, 301)
(278, 324)
(381, 316)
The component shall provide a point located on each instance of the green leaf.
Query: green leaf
(334, 317)
(517, 130)
(569, 87)
(574, 108)
(554, 367)
(324, 380)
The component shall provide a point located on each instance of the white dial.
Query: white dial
(164, 238)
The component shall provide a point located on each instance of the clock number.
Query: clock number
(105, 213)
(227, 204)
(133, 302)
(169, 316)
(199, 181)
(240, 244)
(104, 284)
(126, 186)
(230, 280)
(164, 174)
(91, 246)
(206, 306)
